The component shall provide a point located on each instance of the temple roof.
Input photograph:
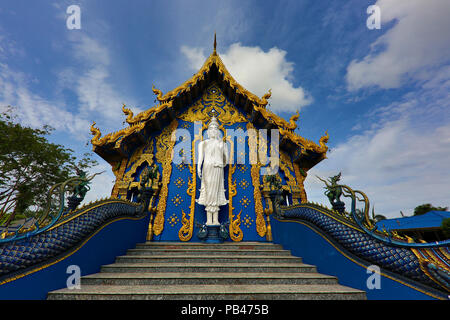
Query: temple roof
(114, 146)
(429, 220)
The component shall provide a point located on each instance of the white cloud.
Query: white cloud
(258, 71)
(402, 160)
(396, 167)
(90, 51)
(90, 81)
(34, 110)
(418, 41)
(195, 56)
(97, 93)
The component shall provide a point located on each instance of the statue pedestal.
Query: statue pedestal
(212, 233)
(73, 202)
(339, 206)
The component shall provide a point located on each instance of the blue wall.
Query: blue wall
(307, 243)
(109, 242)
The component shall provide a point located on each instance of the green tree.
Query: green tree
(30, 165)
(427, 207)
(445, 226)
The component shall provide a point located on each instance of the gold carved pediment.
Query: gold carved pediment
(213, 103)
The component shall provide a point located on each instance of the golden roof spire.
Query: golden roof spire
(215, 42)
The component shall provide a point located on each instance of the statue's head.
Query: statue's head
(213, 129)
(80, 173)
(336, 178)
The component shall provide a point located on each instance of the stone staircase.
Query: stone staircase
(197, 271)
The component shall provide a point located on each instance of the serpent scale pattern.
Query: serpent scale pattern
(25, 253)
(401, 261)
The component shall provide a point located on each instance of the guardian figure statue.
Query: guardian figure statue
(213, 157)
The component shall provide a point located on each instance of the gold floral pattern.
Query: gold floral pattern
(179, 182)
(177, 200)
(248, 221)
(244, 201)
(173, 220)
(244, 184)
(242, 167)
(181, 166)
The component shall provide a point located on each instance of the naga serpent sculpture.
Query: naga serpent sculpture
(78, 186)
(417, 263)
(362, 219)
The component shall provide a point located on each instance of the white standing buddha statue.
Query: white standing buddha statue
(212, 159)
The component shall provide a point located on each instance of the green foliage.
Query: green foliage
(30, 165)
(427, 207)
(445, 226)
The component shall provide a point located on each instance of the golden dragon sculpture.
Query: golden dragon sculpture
(149, 114)
(264, 98)
(96, 135)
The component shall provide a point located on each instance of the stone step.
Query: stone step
(206, 278)
(198, 271)
(209, 267)
(225, 260)
(199, 251)
(225, 245)
(209, 292)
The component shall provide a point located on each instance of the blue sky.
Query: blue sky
(383, 95)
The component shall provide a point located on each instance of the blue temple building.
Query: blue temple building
(153, 202)
(149, 140)
(426, 226)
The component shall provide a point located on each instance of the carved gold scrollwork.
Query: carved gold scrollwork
(185, 232)
(235, 231)
(164, 155)
(235, 225)
(113, 137)
(213, 100)
(125, 181)
(119, 175)
(145, 115)
(138, 158)
(255, 171)
(286, 166)
(300, 182)
(307, 144)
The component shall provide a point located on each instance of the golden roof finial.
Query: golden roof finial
(215, 42)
